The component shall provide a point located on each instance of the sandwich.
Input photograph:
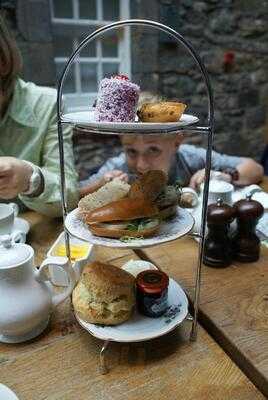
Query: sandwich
(139, 213)
(111, 191)
(104, 294)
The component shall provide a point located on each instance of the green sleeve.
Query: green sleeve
(49, 202)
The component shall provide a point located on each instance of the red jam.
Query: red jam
(152, 292)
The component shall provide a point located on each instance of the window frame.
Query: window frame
(79, 100)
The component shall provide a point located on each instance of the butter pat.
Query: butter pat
(78, 251)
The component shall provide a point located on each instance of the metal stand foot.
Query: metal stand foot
(103, 367)
(193, 334)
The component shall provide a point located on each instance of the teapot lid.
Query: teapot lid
(12, 254)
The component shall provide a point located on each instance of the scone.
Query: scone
(104, 294)
(165, 111)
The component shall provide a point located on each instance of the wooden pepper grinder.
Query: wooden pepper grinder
(246, 244)
(218, 246)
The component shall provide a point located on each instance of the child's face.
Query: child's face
(150, 153)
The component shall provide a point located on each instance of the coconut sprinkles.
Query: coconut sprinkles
(117, 100)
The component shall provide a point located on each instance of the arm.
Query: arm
(249, 172)
(49, 201)
(110, 170)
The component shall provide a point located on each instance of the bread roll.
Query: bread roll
(121, 229)
(111, 191)
(149, 185)
(124, 209)
(104, 294)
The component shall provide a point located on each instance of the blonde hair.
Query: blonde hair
(10, 60)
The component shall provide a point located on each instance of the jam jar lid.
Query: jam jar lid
(152, 281)
(220, 213)
(248, 208)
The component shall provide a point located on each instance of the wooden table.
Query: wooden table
(62, 364)
(233, 302)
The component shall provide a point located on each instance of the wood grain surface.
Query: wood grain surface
(63, 362)
(233, 302)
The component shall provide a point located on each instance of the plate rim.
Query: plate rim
(124, 126)
(83, 323)
(123, 245)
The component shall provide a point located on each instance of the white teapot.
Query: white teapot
(27, 297)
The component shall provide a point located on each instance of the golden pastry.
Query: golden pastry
(165, 111)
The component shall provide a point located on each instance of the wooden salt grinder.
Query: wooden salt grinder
(218, 247)
(246, 244)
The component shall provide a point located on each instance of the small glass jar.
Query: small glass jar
(152, 293)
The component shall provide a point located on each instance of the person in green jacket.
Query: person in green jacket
(29, 155)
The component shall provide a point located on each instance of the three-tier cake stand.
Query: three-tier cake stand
(89, 126)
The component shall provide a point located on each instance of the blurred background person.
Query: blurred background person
(29, 156)
(183, 163)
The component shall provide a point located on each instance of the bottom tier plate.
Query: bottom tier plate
(172, 229)
(140, 328)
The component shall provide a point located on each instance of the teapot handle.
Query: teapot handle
(61, 262)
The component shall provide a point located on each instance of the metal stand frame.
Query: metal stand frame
(209, 130)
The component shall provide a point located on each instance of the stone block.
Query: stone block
(248, 97)
(255, 117)
(34, 20)
(39, 64)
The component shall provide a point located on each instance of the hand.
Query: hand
(15, 177)
(199, 177)
(110, 175)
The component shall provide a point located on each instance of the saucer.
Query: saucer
(6, 393)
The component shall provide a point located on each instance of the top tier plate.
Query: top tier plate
(86, 120)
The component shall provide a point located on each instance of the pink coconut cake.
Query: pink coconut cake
(117, 100)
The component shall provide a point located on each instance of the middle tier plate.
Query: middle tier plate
(170, 230)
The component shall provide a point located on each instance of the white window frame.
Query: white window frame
(81, 100)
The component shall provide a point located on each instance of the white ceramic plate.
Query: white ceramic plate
(6, 393)
(140, 327)
(87, 119)
(178, 226)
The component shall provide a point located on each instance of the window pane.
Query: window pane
(90, 49)
(63, 9)
(110, 46)
(62, 47)
(88, 77)
(87, 9)
(69, 83)
(110, 10)
(110, 69)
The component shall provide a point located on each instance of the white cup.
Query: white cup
(219, 190)
(7, 216)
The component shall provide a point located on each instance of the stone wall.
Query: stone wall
(30, 23)
(231, 38)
